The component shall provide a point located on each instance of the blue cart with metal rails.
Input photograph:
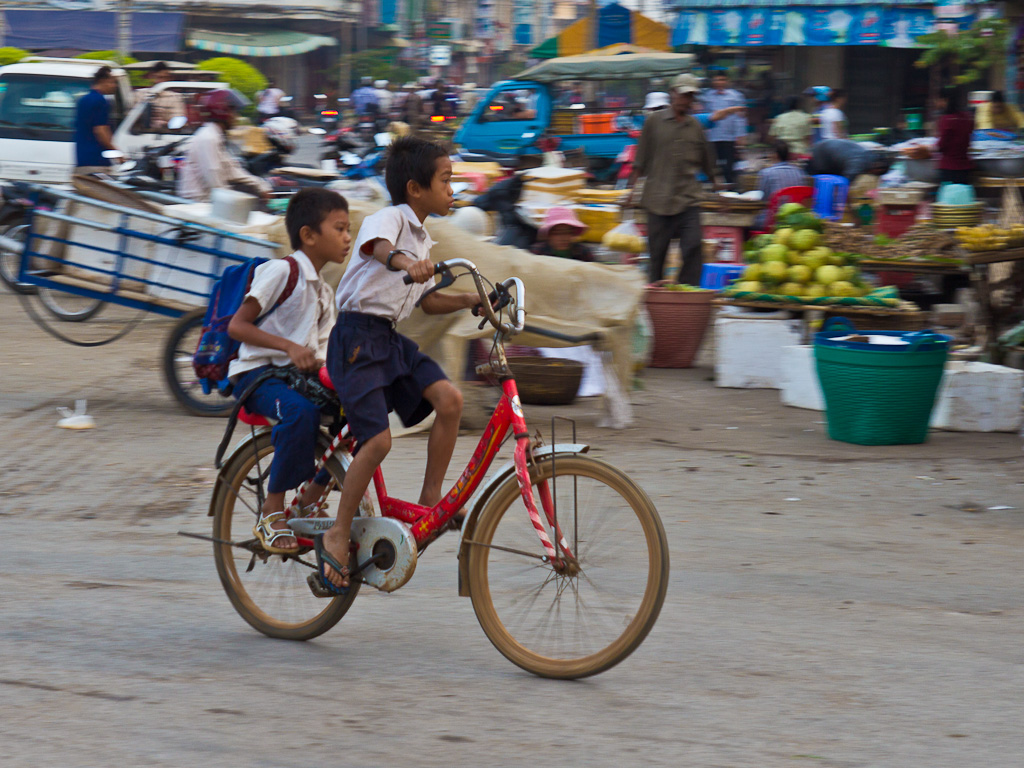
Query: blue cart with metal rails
(87, 253)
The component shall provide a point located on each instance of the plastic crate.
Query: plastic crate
(730, 242)
(715, 277)
(599, 123)
(894, 220)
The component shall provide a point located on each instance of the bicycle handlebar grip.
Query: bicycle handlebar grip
(491, 297)
(438, 269)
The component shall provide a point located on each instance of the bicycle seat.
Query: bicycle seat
(325, 378)
(253, 419)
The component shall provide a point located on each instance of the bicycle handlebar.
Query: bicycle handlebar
(486, 302)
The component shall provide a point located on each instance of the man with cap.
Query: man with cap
(727, 134)
(671, 151)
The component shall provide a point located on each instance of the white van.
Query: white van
(137, 131)
(37, 115)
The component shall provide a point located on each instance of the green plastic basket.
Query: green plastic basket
(879, 394)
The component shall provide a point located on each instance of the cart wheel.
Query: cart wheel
(181, 379)
(69, 307)
(10, 261)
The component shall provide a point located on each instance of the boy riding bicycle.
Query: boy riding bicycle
(375, 369)
(294, 331)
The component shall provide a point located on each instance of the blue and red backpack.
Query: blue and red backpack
(216, 348)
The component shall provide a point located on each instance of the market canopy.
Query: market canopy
(805, 22)
(596, 66)
(276, 43)
(615, 24)
(37, 30)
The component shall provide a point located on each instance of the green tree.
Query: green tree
(971, 53)
(380, 64)
(9, 55)
(240, 75)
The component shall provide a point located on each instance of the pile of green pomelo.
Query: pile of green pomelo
(792, 261)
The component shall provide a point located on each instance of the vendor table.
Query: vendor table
(999, 283)
(906, 318)
(914, 267)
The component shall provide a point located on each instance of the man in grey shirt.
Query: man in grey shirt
(671, 150)
(729, 133)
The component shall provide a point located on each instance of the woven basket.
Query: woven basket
(680, 320)
(879, 394)
(546, 380)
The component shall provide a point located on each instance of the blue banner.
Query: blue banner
(817, 26)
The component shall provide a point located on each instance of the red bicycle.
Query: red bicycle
(566, 585)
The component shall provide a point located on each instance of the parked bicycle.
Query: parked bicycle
(566, 584)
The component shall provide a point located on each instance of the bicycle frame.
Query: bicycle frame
(428, 522)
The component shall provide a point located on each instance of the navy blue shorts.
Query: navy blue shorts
(376, 370)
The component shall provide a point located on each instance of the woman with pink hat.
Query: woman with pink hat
(559, 236)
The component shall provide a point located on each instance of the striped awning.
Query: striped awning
(278, 43)
(686, 5)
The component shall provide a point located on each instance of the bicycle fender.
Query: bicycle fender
(505, 473)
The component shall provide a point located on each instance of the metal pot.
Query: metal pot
(1003, 167)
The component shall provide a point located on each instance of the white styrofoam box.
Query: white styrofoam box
(748, 352)
(979, 397)
(799, 386)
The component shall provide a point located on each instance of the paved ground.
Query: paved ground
(829, 605)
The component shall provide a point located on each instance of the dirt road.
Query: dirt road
(829, 605)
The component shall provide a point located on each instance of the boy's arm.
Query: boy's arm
(420, 270)
(243, 328)
(446, 303)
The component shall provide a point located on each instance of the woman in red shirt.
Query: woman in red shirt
(955, 127)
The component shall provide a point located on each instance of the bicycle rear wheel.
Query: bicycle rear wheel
(269, 592)
(179, 375)
(586, 617)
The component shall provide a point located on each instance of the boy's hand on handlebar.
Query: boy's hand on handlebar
(421, 271)
(303, 358)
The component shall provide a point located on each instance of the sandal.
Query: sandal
(321, 558)
(267, 534)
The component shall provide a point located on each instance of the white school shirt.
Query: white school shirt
(367, 286)
(305, 317)
(829, 119)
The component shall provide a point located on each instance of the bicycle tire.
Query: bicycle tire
(483, 579)
(324, 613)
(10, 261)
(180, 377)
(51, 299)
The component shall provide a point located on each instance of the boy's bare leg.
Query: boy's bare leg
(312, 494)
(357, 480)
(447, 401)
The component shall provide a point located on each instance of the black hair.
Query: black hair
(308, 208)
(836, 95)
(782, 151)
(954, 97)
(160, 66)
(102, 74)
(410, 159)
(793, 105)
(998, 98)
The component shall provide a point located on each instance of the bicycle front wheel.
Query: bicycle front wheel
(270, 591)
(589, 613)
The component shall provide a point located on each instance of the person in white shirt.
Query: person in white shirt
(209, 163)
(832, 119)
(293, 331)
(269, 104)
(385, 98)
(373, 367)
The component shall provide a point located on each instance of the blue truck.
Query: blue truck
(516, 113)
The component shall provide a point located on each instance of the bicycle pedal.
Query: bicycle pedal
(316, 586)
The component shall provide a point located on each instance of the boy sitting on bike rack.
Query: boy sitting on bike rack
(375, 369)
(293, 332)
